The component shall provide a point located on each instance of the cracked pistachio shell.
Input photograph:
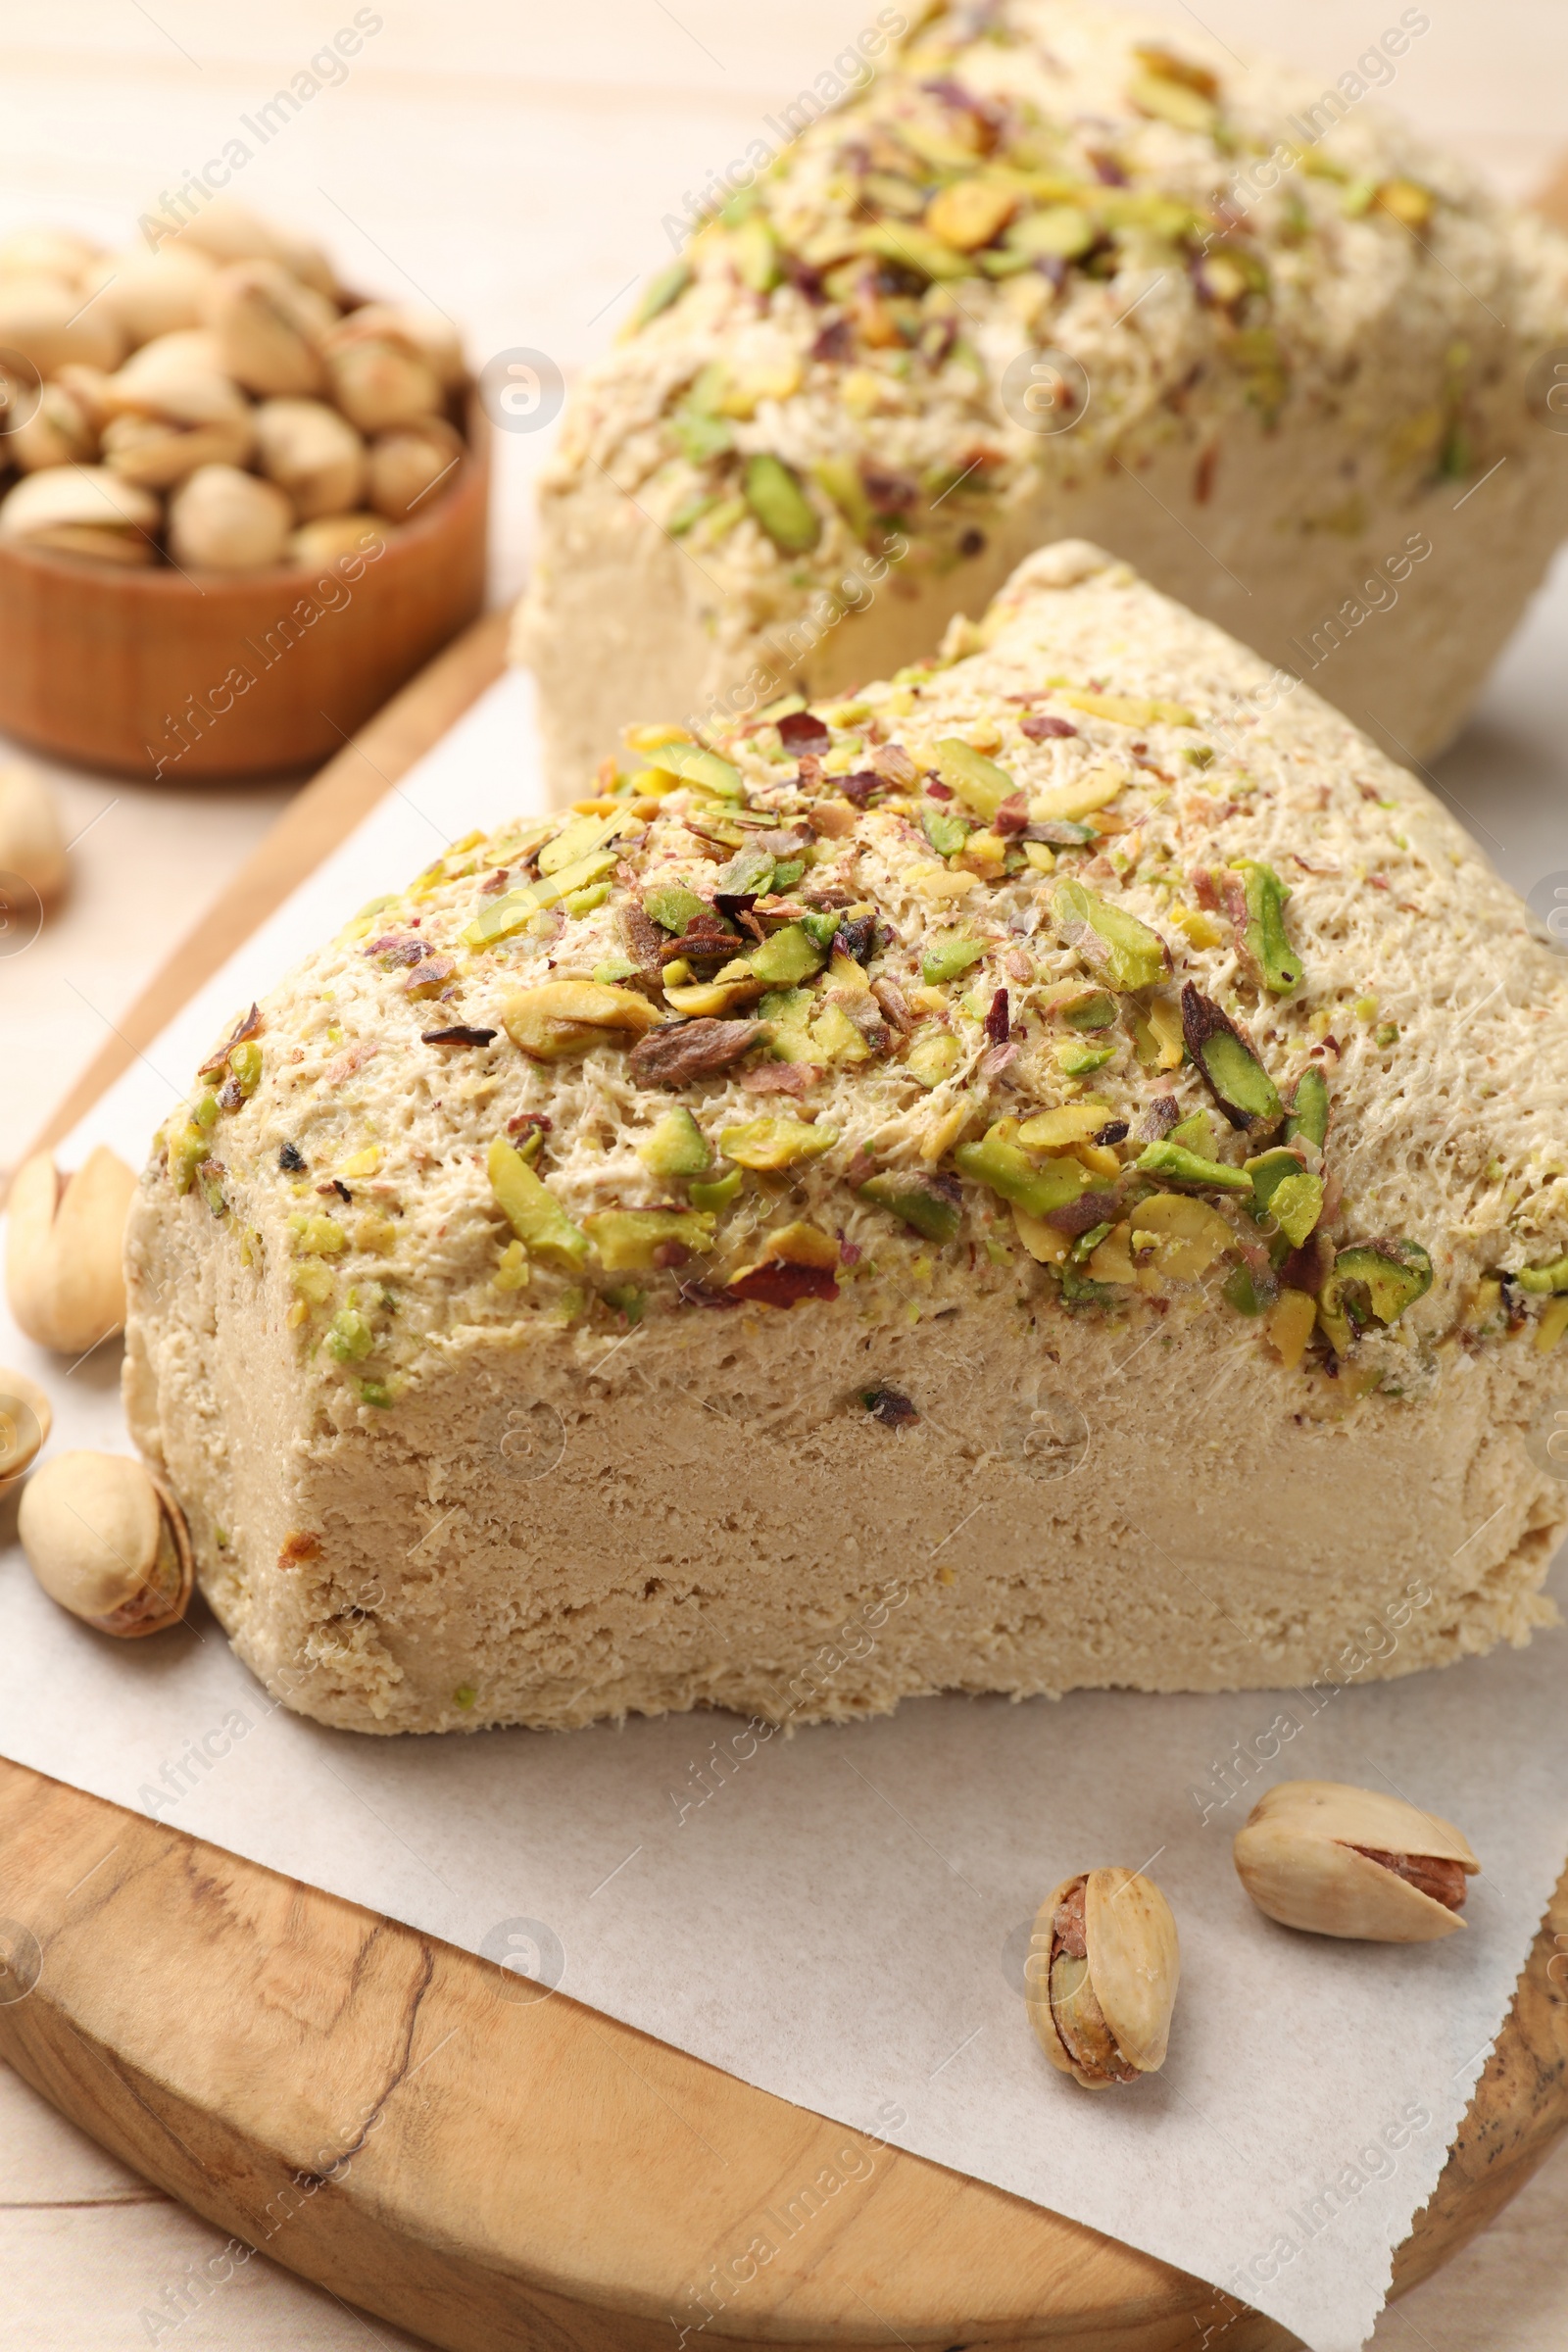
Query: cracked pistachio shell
(270, 329)
(429, 332)
(1295, 1856)
(222, 519)
(107, 1543)
(313, 454)
(337, 538)
(1134, 1966)
(81, 510)
(63, 1241)
(25, 1420)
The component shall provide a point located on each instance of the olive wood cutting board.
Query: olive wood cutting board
(387, 2116)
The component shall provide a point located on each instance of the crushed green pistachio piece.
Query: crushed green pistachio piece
(578, 839)
(245, 1064)
(946, 958)
(677, 1145)
(788, 957)
(945, 833)
(1235, 1078)
(1308, 1113)
(661, 291)
(934, 1056)
(1058, 1130)
(780, 504)
(376, 1392)
(512, 1273)
(978, 782)
(1080, 1062)
(1196, 1133)
(673, 908)
(1386, 1034)
(1128, 954)
(614, 968)
(1543, 1279)
(317, 1237)
(1174, 1164)
(1296, 1206)
(1061, 232)
(1092, 1010)
(628, 1238)
(719, 1193)
(583, 902)
(1247, 1293)
(695, 766)
(188, 1147)
(1377, 1279)
(998, 1163)
(312, 1281)
(1552, 1324)
(351, 1338)
(1266, 944)
(514, 909)
(1130, 711)
(921, 1201)
(532, 1210)
(775, 1143)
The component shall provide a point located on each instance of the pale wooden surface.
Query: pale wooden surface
(516, 161)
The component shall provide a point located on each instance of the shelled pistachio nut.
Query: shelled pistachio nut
(107, 1541)
(25, 1420)
(270, 329)
(1101, 1975)
(32, 841)
(149, 295)
(225, 521)
(1341, 1861)
(64, 1273)
(48, 322)
(59, 432)
(313, 453)
(379, 375)
(408, 462)
(81, 510)
(332, 538)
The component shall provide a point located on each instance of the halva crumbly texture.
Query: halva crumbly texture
(1023, 1179)
(1059, 272)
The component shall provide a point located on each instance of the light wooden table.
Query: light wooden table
(517, 163)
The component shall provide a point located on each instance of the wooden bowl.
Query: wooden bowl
(142, 672)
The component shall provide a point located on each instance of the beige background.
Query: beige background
(516, 164)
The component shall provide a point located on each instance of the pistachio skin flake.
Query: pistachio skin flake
(1231, 1070)
(1267, 945)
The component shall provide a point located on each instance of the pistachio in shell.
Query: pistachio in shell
(65, 1276)
(313, 453)
(46, 253)
(338, 538)
(1101, 1975)
(47, 322)
(226, 231)
(409, 463)
(108, 1542)
(59, 432)
(222, 519)
(32, 841)
(1335, 1860)
(149, 295)
(25, 1420)
(378, 374)
(270, 329)
(81, 510)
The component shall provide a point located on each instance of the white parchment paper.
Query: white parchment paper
(841, 1917)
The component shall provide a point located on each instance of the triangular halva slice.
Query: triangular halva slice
(1050, 1173)
(1060, 271)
